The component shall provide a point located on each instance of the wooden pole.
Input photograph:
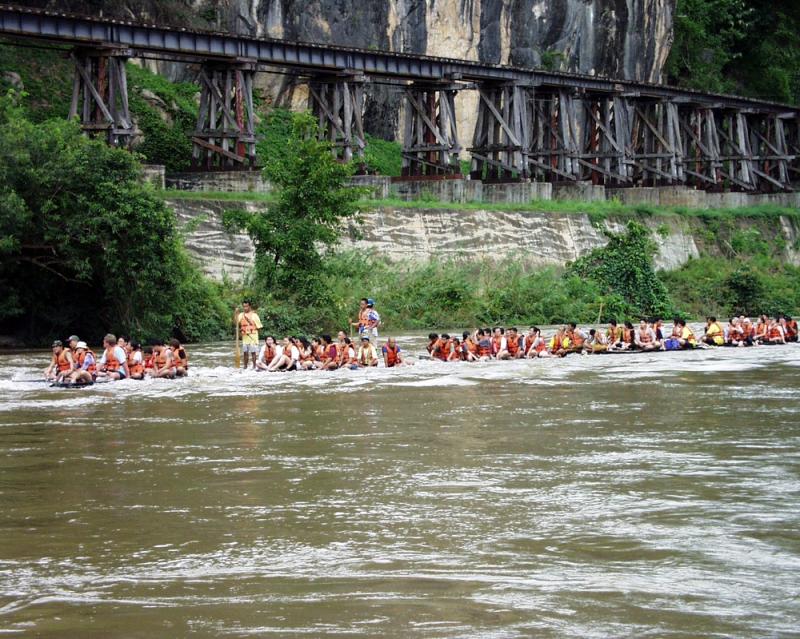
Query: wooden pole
(237, 359)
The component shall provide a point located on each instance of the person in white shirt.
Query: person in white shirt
(113, 364)
(367, 353)
(287, 359)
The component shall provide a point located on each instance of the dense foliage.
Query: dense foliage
(751, 47)
(85, 246)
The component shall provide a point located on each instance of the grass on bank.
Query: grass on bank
(596, 210)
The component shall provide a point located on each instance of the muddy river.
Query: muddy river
(650, 495)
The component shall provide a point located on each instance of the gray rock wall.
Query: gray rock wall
(539, 239)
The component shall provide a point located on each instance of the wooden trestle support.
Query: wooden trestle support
(224, 138)
(100, 94)
(430, 134)
(338, 104)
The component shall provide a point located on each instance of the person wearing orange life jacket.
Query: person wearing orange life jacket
(136, 363)
(266, 353)
(149, 361)
(469, 347)
(367, 354)
(714, 336)
(363, 316)
(249, 323)
(330, 355)
(514, 344)
(535, 344)
(113, 363)
(760, 331)
(163, 361)
(576, 337)
(61, 364)
(180, 357)
(734, 335)
(392, 355)
(483, 339)
(456, 354)
(86, 363)
(791, 329)
(500, 343)
(775, 334)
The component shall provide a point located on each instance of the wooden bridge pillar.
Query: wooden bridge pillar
(554, 144)
(224, 138)
(338, 104)
(430, 134)
(771, 148)
(501, 141)
(100, 94)
(656, 144)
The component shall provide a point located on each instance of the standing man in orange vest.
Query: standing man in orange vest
(249, 323)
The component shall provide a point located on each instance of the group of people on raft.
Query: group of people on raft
(121, 358)
(650, 335)
(318, 353)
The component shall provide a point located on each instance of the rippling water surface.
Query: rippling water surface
(606, 496)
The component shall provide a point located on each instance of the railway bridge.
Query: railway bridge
(531, 124)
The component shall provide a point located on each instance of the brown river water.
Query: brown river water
(648, 495)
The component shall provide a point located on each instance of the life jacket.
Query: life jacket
(366, 356)
(81, 358)
(246, 325)
(391, 355)
(470, 345)
(714, 329)
(134, 367)
(688, 335)
(615, 334)
(774, 332)
(149, 361)
(513, 345)
(484, 348)
(161, 359)
(331, 353)
(445, 346)
(62, 362)
(747, 331)
(791, 329)
(576, 339)
(541, 346)
(627, 335)
(496, 342)
(269, 353)
(183, 362)
(363, 318)
(112, 363)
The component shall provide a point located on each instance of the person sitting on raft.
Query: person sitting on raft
(560, 344)
(514, 344)
(595, 343)
(330, 355)
(483, 337)
(790, 328)
(500, 344)
(86, 371)
(469, 347)
(61, 364)
(267, 353)
(136, 361)
(576, 338)
(614, 336)
(760, 333)
(686, 337)
(113, 364)
(775, 334)
(180, 357)
(535, 344)
(714, 334)
(163, 361)
(288, 359)
(367, 353)
(645, 337)
(392, 355)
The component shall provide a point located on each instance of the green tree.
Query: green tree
(625, 267)
(312, 201)
(84, 245)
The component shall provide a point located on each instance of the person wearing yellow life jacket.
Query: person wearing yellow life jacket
(687, 338)
(86, 371)
(614, 336)
(113, 363)
(714, 336)
(367, 354)
(248, 323)
(61, 364)
(180, 357)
